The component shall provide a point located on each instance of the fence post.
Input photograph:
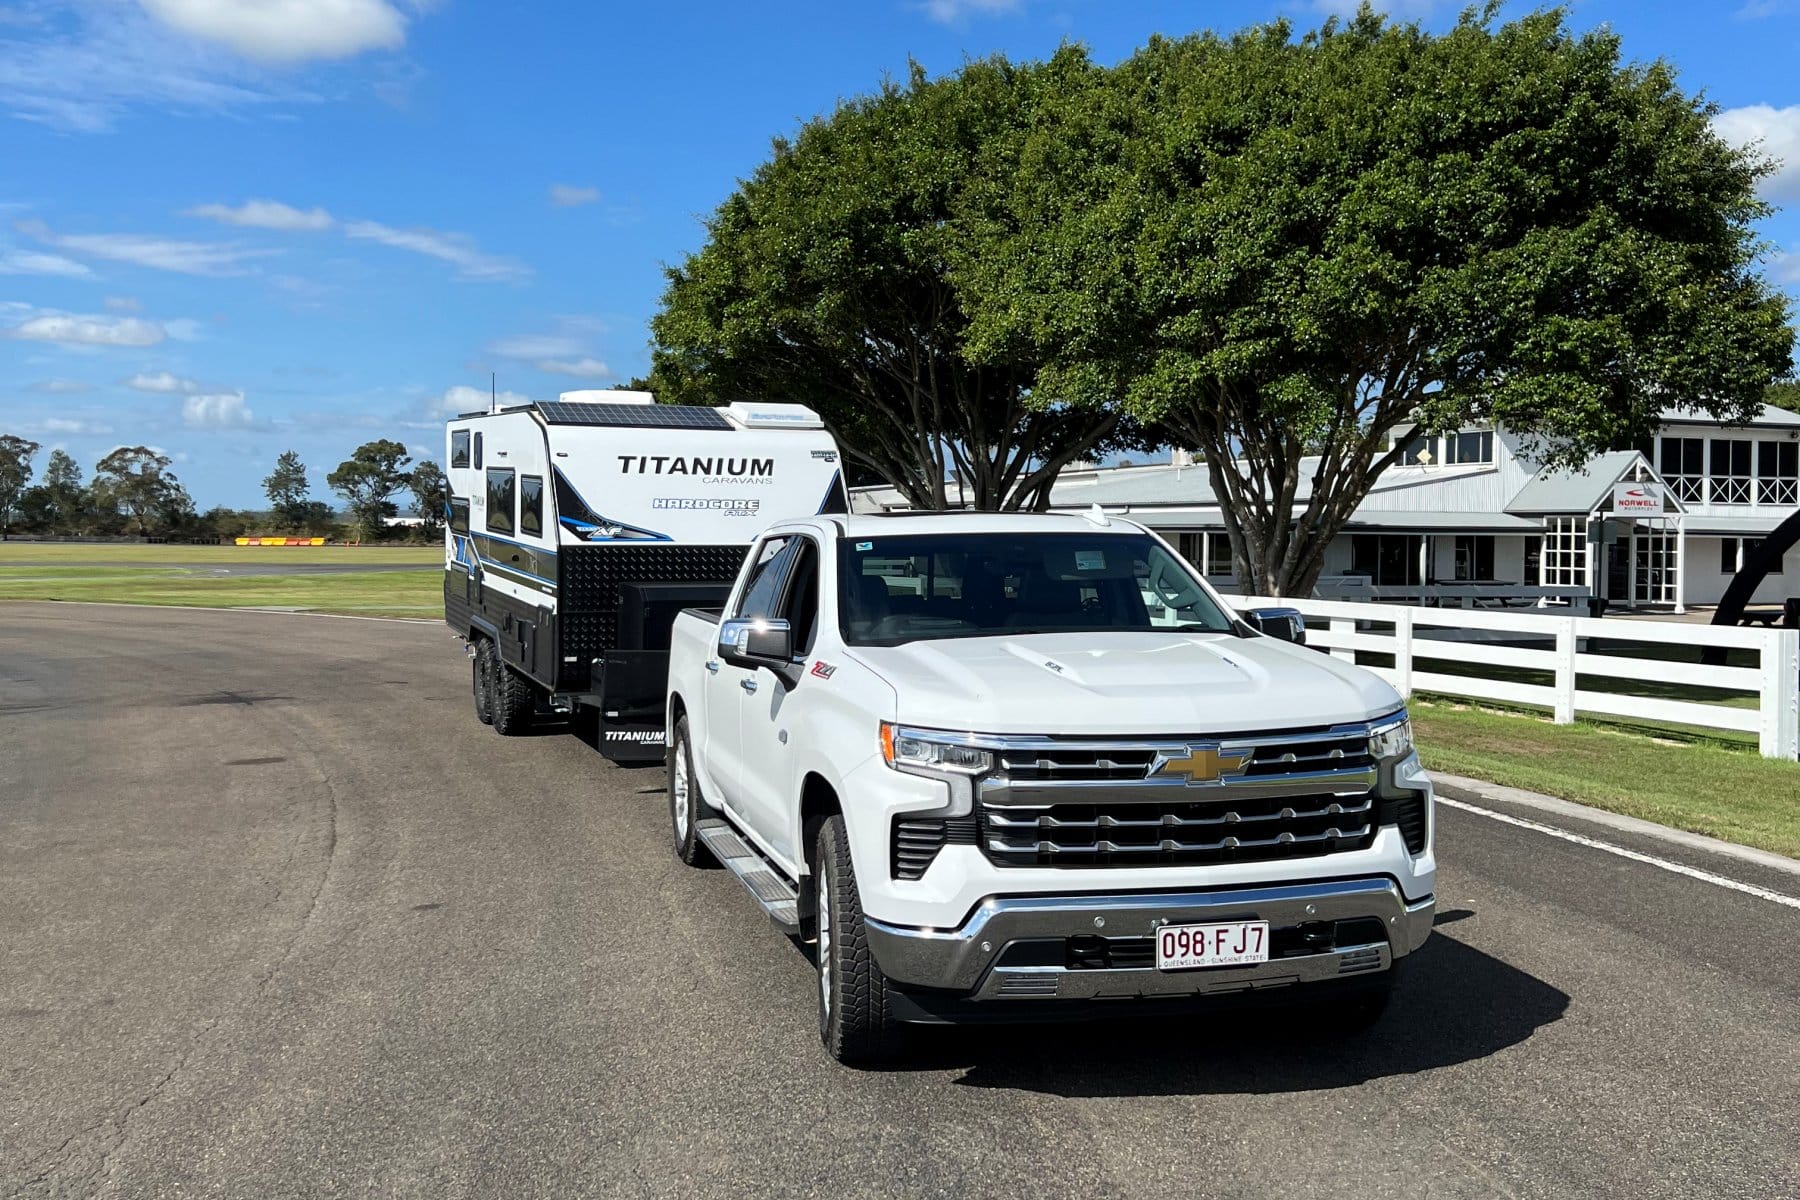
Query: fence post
(1780, 698)
(1565, 672)
(1343, 625)
(1403, 652)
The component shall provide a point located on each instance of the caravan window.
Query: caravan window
(477, 463)
(459, 448)
(531, 505)
(499, 498)
(459, 514)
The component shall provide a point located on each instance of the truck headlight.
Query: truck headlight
(1391, 738)
(931, 752)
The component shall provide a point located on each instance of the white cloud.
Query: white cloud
(1772, 132)
(536, 345)
(217, 410)
(75, 330)
(266, 214)
(162, 382)
(952, 12)
(564, 195)
(581, 368)
(471, 262)
(160, 254)
(1785, 267)
(287, 30)
(462, 398)
(68, 425)
(123, 304)
(32, 262)
(62, 387)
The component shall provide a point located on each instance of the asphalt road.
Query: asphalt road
(279, 918)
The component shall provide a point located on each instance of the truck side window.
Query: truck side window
(459, 448)
(499, 498)
(459, 514)
(477, 463)
(531, 505)
(764, 587)
(801, 608)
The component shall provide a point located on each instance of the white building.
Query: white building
(1474, 513)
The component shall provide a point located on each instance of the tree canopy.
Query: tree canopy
(287, 490)
(367, 481)
(427, 485)
(15, 473)
(1273, 249)
(136, 482)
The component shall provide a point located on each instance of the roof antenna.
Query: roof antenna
(493, 392)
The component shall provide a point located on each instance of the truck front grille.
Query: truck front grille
(1280, 755)
(1194, 833)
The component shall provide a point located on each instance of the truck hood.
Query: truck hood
(1123, 683)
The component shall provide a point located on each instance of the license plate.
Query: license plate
(1227, 944)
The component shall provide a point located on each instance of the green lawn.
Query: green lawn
(375, 594)
(1704, 784)
(77, 553)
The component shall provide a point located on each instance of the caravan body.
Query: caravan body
(577, 528)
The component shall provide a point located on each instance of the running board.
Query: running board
(776, 895)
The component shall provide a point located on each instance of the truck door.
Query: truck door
(729, 687)
(765, 714)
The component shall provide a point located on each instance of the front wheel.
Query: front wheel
(855, 1021)
(482, 674)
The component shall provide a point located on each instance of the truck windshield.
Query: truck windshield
(955, 585)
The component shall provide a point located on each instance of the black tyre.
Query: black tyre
(515, 699)
(483, 678)
(855, 1021)
(687, 807)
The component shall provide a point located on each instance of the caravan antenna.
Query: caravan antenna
(493, 392)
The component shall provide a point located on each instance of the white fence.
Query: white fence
(1559, 646)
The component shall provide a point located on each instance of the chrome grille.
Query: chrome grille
(1175, 834)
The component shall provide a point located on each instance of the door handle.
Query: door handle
(713, 666)
(749, 685)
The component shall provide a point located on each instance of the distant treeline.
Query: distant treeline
(133, 492)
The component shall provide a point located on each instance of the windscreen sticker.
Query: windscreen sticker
(1090, 560)
(865, 545)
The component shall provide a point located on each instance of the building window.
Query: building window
(1418, 450)
(1474, 557)
(1683, 465)
(1735, 552)
(1209, 553)
(459, 448)
(531, 505)
(1731, 471)
(500, 491)
(1469, 447)
(1386, 559)
(459, 514)
(1778, 472)
(1564, 560)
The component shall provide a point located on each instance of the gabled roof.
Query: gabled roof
(1580, 491)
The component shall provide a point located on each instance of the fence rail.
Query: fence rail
(1570, 650)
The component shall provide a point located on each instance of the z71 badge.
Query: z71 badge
(823, 669)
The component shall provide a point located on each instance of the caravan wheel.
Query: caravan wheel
(481, 671)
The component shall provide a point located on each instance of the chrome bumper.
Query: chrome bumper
(966, 961)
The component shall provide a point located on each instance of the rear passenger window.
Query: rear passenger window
(499, 498)
(459, 515)
(531, 505)
(459, 448)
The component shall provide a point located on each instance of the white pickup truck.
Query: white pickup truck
(1001, 767)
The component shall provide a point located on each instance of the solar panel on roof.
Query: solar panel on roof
(651, 416)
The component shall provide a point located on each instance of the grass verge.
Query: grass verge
(1703, 785)
(376, 594)
(78, 553)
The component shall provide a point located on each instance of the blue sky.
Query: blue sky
(233, 227)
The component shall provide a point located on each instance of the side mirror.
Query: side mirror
(756, 642)
(1288, 624)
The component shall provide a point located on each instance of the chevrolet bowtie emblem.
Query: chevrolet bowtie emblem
(1203, 764)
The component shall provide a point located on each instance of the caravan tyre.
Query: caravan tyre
(481, 672)
(515, 699)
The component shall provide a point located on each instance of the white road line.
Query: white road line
(1748, 889)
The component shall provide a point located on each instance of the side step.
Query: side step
(776, 895)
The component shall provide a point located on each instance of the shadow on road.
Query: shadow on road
(1452, 1004)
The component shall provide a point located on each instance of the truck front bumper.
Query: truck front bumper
(1090, 946)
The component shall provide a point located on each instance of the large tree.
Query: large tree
(1282, 249)
(367, 481)
(426, 483)
(136, 482)
(65, 498)
(825, 280)
(287, 490)
(15, 474)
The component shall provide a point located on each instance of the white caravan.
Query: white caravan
(576, 529)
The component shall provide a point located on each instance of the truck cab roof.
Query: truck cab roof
(962, 521)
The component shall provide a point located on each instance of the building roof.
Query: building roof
(1735, 526)
(1678, 415)
(1579, 491)
(1443, 522)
